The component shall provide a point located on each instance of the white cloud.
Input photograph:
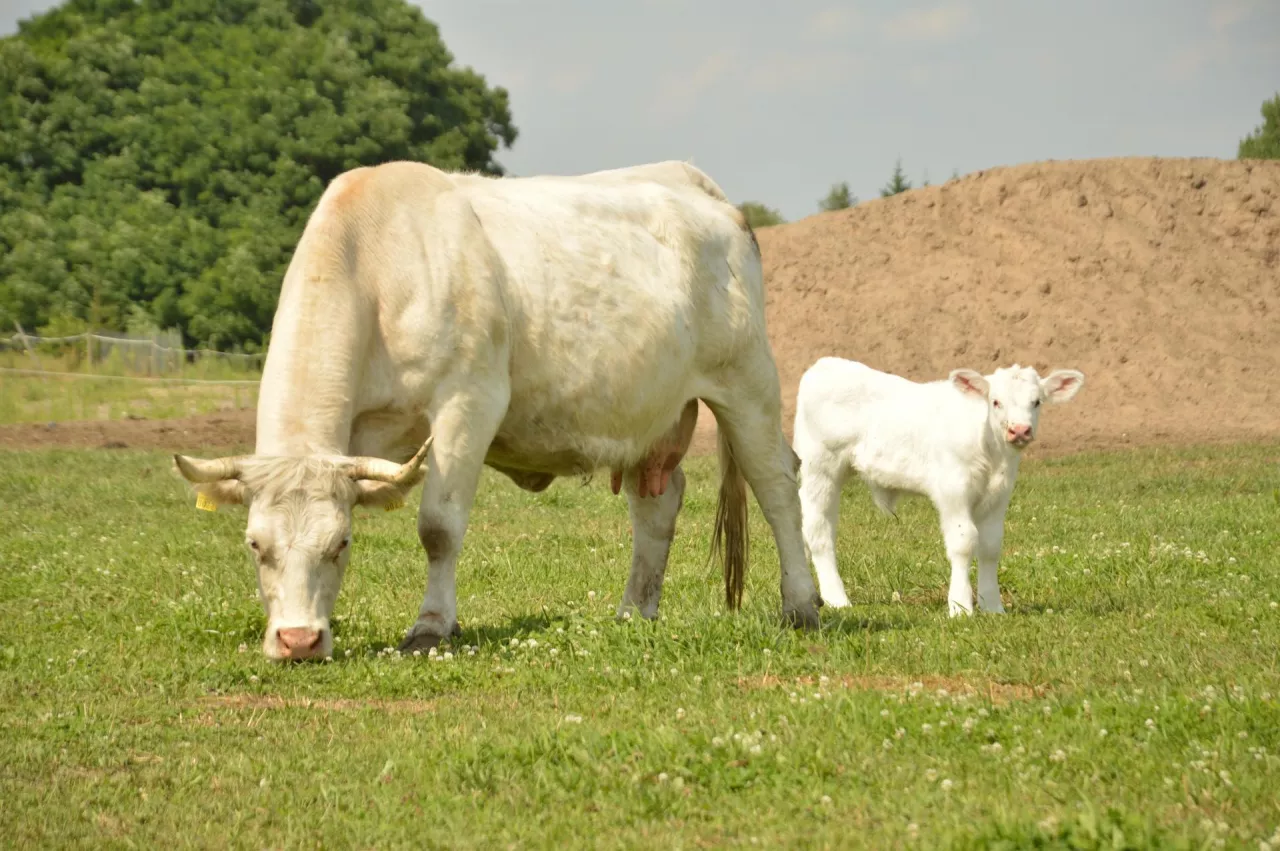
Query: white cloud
(938, 23)
(680, 92)
(831, 22)
(779, 71)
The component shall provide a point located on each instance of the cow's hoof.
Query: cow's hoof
(424, 635)
(803, 618)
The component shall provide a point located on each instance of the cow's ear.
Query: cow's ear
(1061, 385)
(970, 382)
(225, 492)
(378, 494)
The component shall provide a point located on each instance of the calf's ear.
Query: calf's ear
(1061, 385)
(968, 381)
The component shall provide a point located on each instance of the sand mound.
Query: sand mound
(1159, 278)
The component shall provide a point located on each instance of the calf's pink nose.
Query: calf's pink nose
(299, 641)
(1020, 432)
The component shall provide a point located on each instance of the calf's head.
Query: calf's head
(299, 530)
(1013, 396)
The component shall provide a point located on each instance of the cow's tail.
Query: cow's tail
(730, 536)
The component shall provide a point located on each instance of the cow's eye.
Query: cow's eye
(253, 545)
(1037, 404)
(342, 545)
(996, 402)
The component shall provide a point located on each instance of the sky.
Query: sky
(779, 100)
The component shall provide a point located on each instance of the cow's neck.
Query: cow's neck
(311, 373)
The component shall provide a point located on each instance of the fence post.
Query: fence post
(30, 351)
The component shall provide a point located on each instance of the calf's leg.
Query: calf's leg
(961, 537)
(653, 526)
(990, 541)
(820, 483)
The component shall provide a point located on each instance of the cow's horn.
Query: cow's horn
(380, 470)
(200, 471)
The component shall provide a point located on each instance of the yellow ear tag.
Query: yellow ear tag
(394, 504)
(204, 503)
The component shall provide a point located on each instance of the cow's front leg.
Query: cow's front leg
(463, 430)
(653, 525)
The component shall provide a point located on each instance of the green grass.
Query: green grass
(73, 389)
(136, 710)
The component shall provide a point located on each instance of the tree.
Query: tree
(897, 183)
(760, 216)
(839, 198)
(166, 155)
(1264, 142)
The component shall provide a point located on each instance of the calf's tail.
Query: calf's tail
(730, 537)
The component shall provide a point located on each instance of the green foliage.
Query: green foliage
(167, 154)
(839, 198)
(760, 216)
(897, 183)
(1264, 142)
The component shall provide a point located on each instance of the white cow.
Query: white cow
(957, 442)
(544, 326)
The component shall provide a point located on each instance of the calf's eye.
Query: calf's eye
(1037, 404)
(996, 402)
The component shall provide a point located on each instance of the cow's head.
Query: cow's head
(1013, 396)
(299, 530)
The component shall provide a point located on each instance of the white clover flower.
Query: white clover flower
(926, 728)
(554, 651)
(946, 785)
(1058, 756)
(573, 719)
(825, 800)
(679, 713)
(931, 775)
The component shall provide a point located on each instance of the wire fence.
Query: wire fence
(95, 376)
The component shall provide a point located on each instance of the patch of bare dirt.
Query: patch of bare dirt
(216, 431)
(1159, 278)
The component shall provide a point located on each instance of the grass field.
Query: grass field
(69, 388)
(1131, 697)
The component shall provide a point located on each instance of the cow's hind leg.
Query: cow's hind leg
(463, 428)
(653, 525)
(749, 416)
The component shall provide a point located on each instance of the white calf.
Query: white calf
(957, 442)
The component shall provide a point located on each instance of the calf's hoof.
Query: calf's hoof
(957, 610)
(424, 635)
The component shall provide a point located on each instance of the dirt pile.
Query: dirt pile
(1158, 278)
